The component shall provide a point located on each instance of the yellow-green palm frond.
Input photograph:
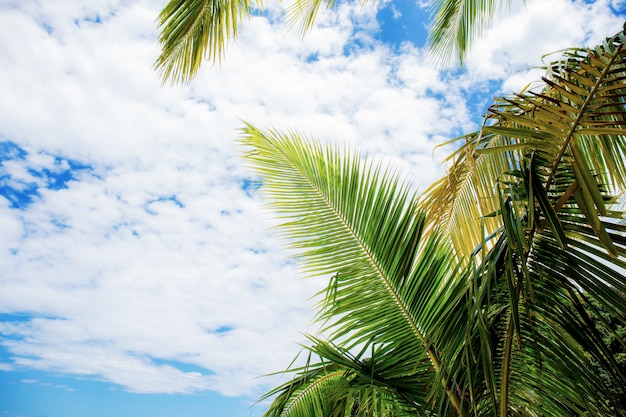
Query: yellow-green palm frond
(456, 24)
(574, 126)
(302, 13)
(194, 30)
(465, 202)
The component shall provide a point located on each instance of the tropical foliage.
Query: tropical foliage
(457, 23)
(483, 295)
(499, 291)
(613, 332)
(195, 30)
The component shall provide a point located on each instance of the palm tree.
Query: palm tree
(440, 306)
(195, 30)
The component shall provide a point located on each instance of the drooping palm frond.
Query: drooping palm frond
(194, 30)
(345, 385)
(392, 288)
(532, 195)
(302, 13)
(575, 125)
(541, 341)
(457, 23)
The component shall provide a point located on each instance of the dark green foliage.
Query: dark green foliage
(613, 333)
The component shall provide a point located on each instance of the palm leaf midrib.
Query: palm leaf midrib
(321, 380)
(359, 241)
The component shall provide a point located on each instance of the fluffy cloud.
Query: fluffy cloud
(142, 256)
(529, 31)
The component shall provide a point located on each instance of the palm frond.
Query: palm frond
(575, 125)
(342, 384)
(456, 24)
(541, 341)
(532, 195)
(314, 391)
(302, 13)
(194, 30)
(390, 285)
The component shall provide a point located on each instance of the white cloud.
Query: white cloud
(519, 40)
(156, 251)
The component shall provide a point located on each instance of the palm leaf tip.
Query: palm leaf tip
(304, 12)
(456, 24)
(193, 31)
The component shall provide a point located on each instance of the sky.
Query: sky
(139, 271)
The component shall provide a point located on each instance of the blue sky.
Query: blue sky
(31, 393)
(140, 274)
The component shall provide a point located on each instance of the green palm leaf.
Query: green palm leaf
(342, 384)
(391, 287)
(193, 30)
(457, 23)
(532, 194)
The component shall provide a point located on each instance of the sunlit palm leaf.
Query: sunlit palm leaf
(302, 13)
(457, 23)
(575, 124)
(391, 288)
(345, 385)
(194, 30)
(466, 201)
